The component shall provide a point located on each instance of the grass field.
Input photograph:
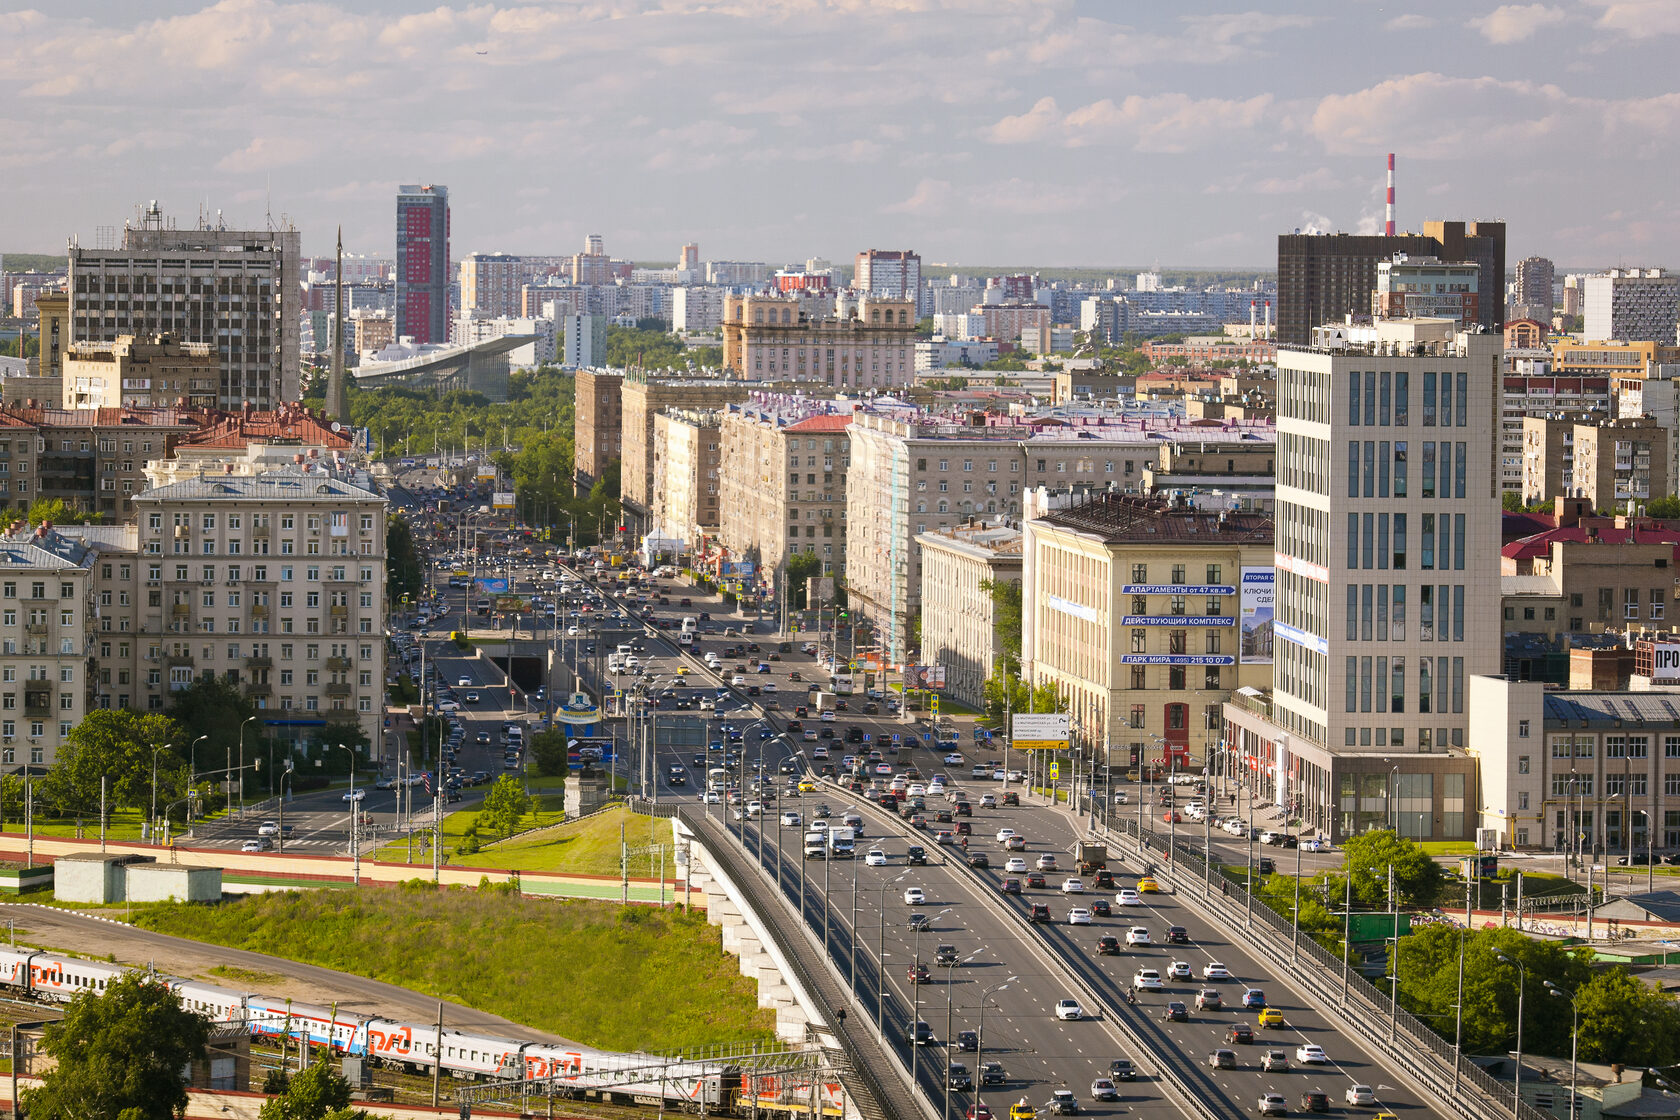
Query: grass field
(1448, 847)
(616, 977)
(586, 847)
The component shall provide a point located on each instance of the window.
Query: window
(1522, 729)
(1522, 764)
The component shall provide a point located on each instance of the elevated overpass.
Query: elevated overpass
(479, 367)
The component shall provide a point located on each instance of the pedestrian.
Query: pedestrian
(1225, 888)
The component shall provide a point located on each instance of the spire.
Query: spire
(338, 392)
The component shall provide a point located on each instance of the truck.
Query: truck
(1090, 855)
(824, 701)
(816, 844)
(841, 843)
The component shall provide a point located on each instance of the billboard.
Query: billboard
(509, 604)
(740, 568)
(484, 583)
(1038, 731)
(501, 499)
(1256, 638)
(924, 676)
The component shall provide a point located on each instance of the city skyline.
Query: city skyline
(1071, 132)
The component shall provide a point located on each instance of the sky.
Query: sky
(1029, 132)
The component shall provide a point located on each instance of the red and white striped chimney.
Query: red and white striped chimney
(1388, 226)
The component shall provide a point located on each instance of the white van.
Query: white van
(624, 649)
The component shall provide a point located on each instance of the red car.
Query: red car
(1171, 816)
(979, 1112)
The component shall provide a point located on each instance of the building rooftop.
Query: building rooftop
(992, 541)
(1540, 544)
(1116, 518)
(828, 422)
(305, 482)
(1611, 709)
(290, 423)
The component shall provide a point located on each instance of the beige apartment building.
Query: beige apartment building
(1607, 462)
(783, 480)
(1146, 615)
(685, 475)
(778, 338)
(644, 397)
(960, 565)
(599, 411)
(129, 372)
(275, 582)
(912, 478)
(46, 631)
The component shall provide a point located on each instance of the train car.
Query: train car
(344, 1031)
(790, 1094)
(219, 1005)
(481, 1055)
(62, 979)
(608, 1074)
(14, 967)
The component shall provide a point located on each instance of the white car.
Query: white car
(755, 808)
(738, 681)
(1047, 861)
(1179, 970)
(1316, 845)
(384, 783)
(268, 828)
(1073, 886)
(711, 797)
(253, 845)
(1079, 916)
(1137, 935)
(1147, 980)
(914, 897)
(1069, 1009)
(791, 819)
(354, 794)
(1213, 970)
(1015, 865)
(464, 682)
(1311, 1055)
(1004, 834)
(1120, 798)
(1360, 1094)
(1126, 896)
(953, 759)
(988, 801)
(875, 858)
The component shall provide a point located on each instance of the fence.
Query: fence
(1404, 1039)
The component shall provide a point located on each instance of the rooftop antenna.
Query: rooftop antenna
(1388, 226)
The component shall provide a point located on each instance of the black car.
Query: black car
(978, 859)
(919, 920)
(1104, 880)
(945, 954)
(1265, 865)
(1038, 912)
(964, 809)
(968, 1042)
(1121, 1069)
(993, 1073)
(1100, 908)
(1108, 946)
(1315, 1100)
(1240, 1033)
(958, 1077)
(1010, 886)
(1178, 935)
(1035, 879)
(915, 855)
(1175, 1012)
(923, 1034)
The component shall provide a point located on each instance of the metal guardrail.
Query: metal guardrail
(1360, 1002)
(878, 1100)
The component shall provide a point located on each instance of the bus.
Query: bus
(716, 779)
(841, 684)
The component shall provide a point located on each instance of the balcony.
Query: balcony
(37, 711)
(259, 610)
(339, 611)
(260, 530)
(34, 628)
(338, 664)
(338, 690)
(259, 662)
(177, 659)
(259, 688)
(181, 610)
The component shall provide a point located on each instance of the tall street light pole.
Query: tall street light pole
(248, 719)
(155, 751)
(1522, 984)
(980, 1040)
(1574, 1039)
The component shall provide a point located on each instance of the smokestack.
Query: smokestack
(1388, 226)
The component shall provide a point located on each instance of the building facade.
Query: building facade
(159, 371)
(1631, 305)
(423, 263)
(696, 309)
(600, 419)
(685, 475)
(889, 273)
(960, 567)
(783, 479)
(586, 341)
(776, 338)
(46, 641)
(274, 582)
(1620, 461)
(1146, 615)
(1426, 287)
(492, 285)
(642, 398)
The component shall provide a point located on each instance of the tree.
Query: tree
(1429, 986)
(548, 749)
(405, 573)
(119, 1053)
(1368, 856)
(213, 707)
(1511, 502)
(1668, 507)
(116, 744)
(58, 511)
(318, 1092)
(1006, 617)
(1625, 1020)
(801, 566)
(505, 805)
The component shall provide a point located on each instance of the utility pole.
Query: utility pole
(437, 1056)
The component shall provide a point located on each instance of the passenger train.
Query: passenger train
(712, 1087)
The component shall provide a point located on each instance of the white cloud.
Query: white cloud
(1167, 122)
(1411, 21)
(1639, 19)
(1441, 117)
(264, 153)
(1034, 124)
(1517, 23)
(929, 197)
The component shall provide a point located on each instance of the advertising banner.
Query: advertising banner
(741, 568)
(924, 676)
(485, 583)
(1257, 594)
(502, 499)
(1038, 731)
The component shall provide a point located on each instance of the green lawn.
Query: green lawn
(548, 802)
(618, 977)
(1448, 847)
(587, 847)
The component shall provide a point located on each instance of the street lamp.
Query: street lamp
(880, 951)
(1574, 1038)
(155, 751)
(980, 1039)
(950, 1001)
(248, 719)
(1522, 983)
(355, 846)
(1394, 991)
(916, 990)
(192, 771)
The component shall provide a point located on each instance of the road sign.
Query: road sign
(1039, 731)
(895, 737)
(1055, 770)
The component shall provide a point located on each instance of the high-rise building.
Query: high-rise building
(586, 341)
(770, 510)
(1531, 289)
(690, 259)
(423, 262)
(1387, 585)
(685, 475)
(696, 309)
(776, 338)
(1631, 305)
(236, 289)
(1323, 279)
(891, 273)
(642, 396)
(599, 426)
(492, 285)
(1424, 287)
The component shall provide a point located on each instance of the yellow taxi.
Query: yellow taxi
(806, 785)
(682, 670)
(1148, 885)
(1271, 1017)
(1021, 1110)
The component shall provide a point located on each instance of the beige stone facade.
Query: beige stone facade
(274, 582)
(959, 617)
(46, 631)
(1621, 461)
(784, 486)
(1134, 607)
(130, 372)
(643, 397)
(777, 338)
(599, 410)
(685, 475)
